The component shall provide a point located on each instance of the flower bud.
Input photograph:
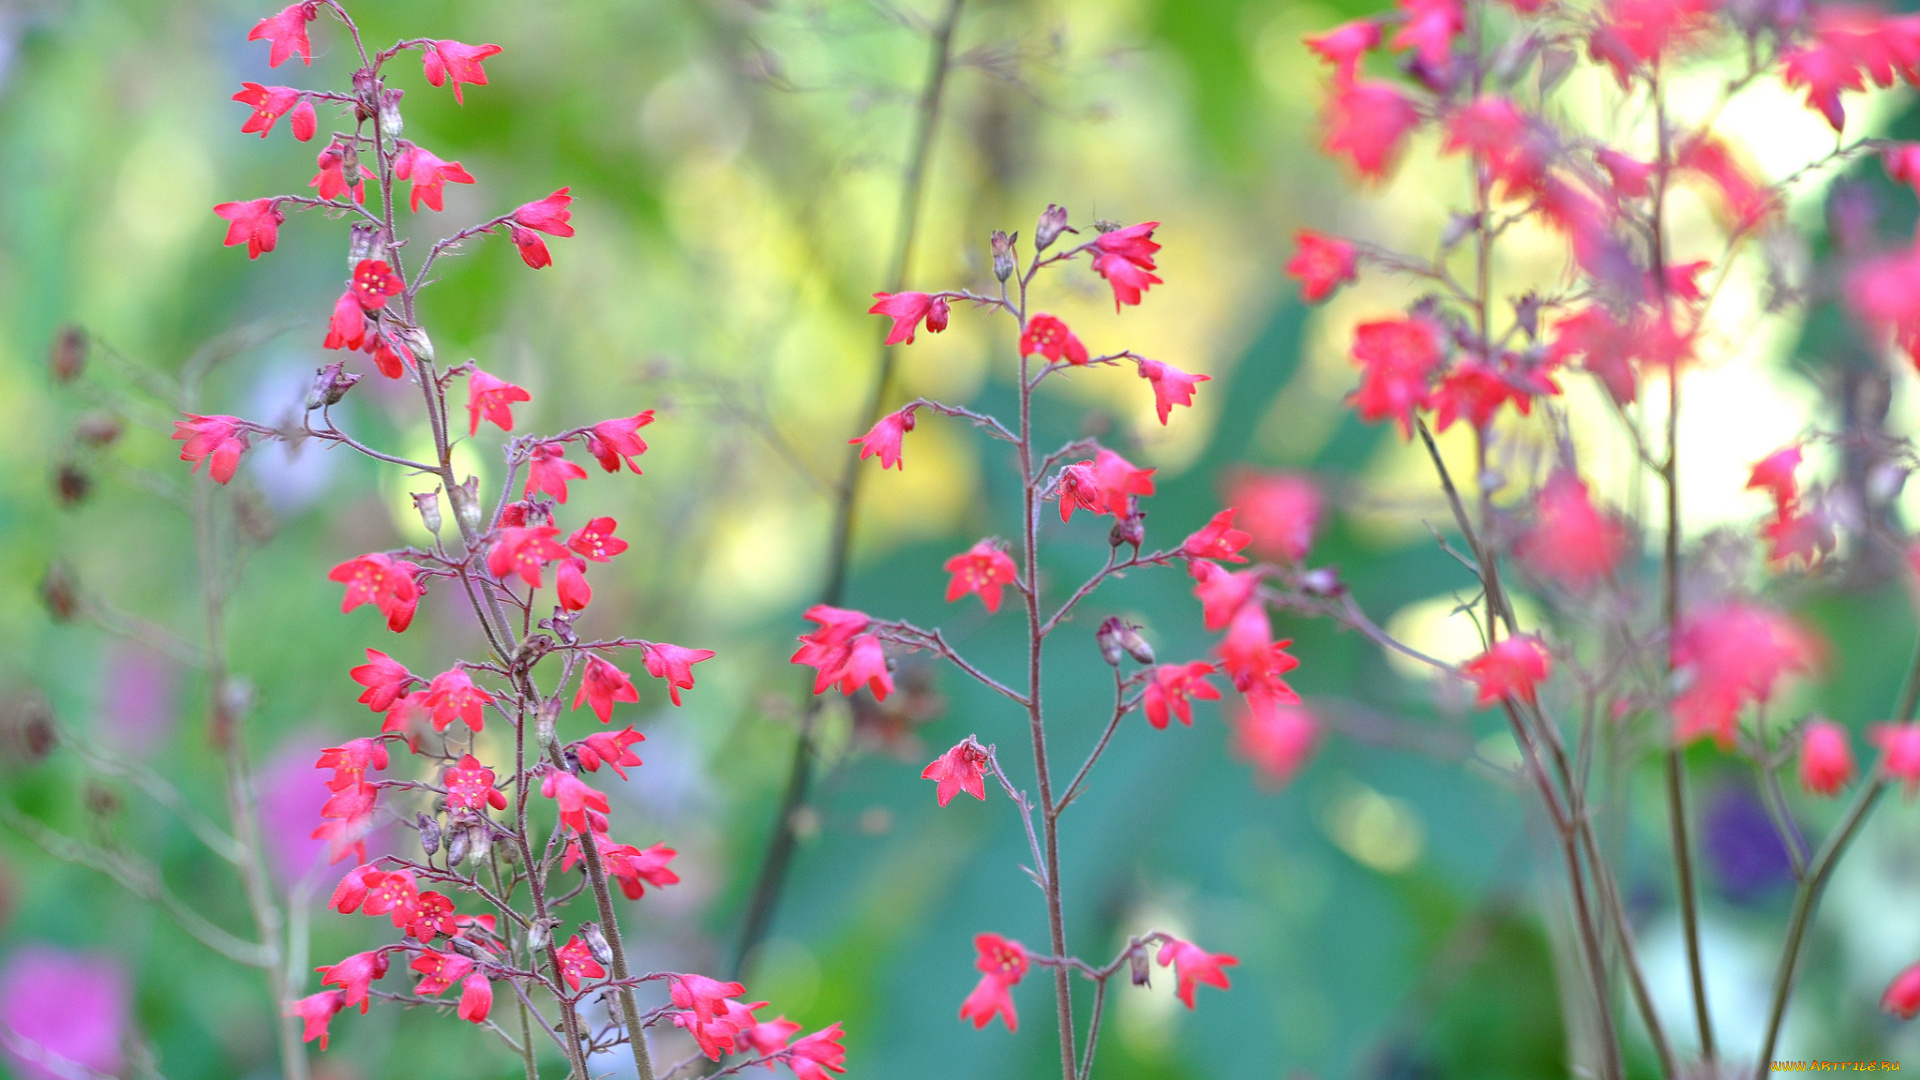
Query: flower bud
(60, 592)
(1109, 638)
(390, 123)
(68, 357)
(27, 731)
(480, 839)
(937, 313)
(365, 243)
(71, 484)
(531, 650)
(1135, 645)
(363, 84)
(97, 428)
(1053, 222)
(427, 505)
(1002, 245)
(596, 942)
(1140, 969)
(1131, 529)
(429, 833)
(330, 384)
(349, 160)
(541, 932)
(457, 846)
(543, 724)
(466, 505)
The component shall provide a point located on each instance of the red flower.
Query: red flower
(1107, 485)
(1171, 386)
(452, 696)
(347, 326)
(355, 975)
(1051, 339)
(1004, 963)
(1745, 199)
(269, 104)
(1513, 667)
(287, 33)
(1397, 359)
(1793, 534)
(1344, 45)
(1630, 176)
(1826, 761)
(476, 998)
(674, 664)
(814, 1055)
(549, 215)
(1734, 654)
(440, 971)
(906, 310)
(549, 470)
(1275, 736)
(984, 569)
(1571, 541)
(393, 358)
(217, 440)
(769, 1036)
(1899, 752)
(1430, 29)
(429, 175)
(576, 800)
(602, 684)
(1193, 965)
(1256, 661)
(1902, 998)
(1222, 593)
(866, 665)
(1824, 71)
(451, 61)
(1172, 687)
(577, 962)
(1368, 122)
(1280, 511)
(352, 890)
(373, 282)
(1218, 539)
(430, 917)
(963, 768)
(317, 1009)
(255, 223)
(706, 998)
(633, 868)
(1323, 263)
(570, 585)
(333, 182)
(469, 786)
(883, 440)
(595, 540)
(1773, 474)
(830, 649)
(1125, 258)
(394, 894)
(384, 582)
(609, 748)
(385, 680)
(1902, 161)
(533, 250)
(492, 398)
(610, 441)
(1476, 391)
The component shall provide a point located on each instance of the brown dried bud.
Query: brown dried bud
(60, 592)
(458, 844)
(365, 243)
(531, 650)
(541, 932)
(543, 724)
(1131, 529)
(466, 506)
(68, 356)
(596, 942)
(71, 484)
(480, 839)
(391, 125)
(97, 428)
(1003, 253)
(427, 504)
(429, 833)
(1135, 645)
(1322, 581)
(363, 84)
(27, 731)
(1109, 638)
(330, 384)
(102, 801)
(1053, 222)
(350, 161)
(1139, 968)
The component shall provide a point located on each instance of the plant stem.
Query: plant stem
(772, 877)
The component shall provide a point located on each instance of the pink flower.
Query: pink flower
(674, 663)
(1734, 654)
(1368, 122)
(1256, 661)
(1397, 359)
(316, 1010)
(614, 441)
(570, 585)
(812, 1056)
(1430, 29)
(429, 175)
(1514, 667)
(1344, 45)
(1744, 198)
(469, 786)
(333, 182)
(1004, 963)
(1630, 176)
(1125, 258)
(549, 470)
(373, 282)
(609, 748)
(351, 760)
(347, 326)
(577, 962)
(1115, 481)
(1172, 687)
(1773, 474)
(1171, 386)
(452, 696)
(984, 569)
(1052, 339)
(355, 975)
(1902, 998)
(1323, 263)
(1222, 593)
(1899, 752)
(963, 768)
(1276, 737)
(71, 1006)
(1193, 965)
(440, 971)
(255, 223)
(451, 61)
(549, 215)
(476, 998)
(1826, 761)
(884, 439)
(492, 398)
(1218, 539)
(385, 582)
(1824, 71)
(906, 310)
(576, 800)
(769, 1036)
(217, 440)
(1475, 391)
(602, 684)
(1279, 510)
(392, 357)
(287, 33)
(1571, 541)
(533, 250)
(595, 540)
(269, 104)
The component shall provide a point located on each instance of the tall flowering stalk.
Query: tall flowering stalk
(1632, 309)
(849, 648)
(525, 838)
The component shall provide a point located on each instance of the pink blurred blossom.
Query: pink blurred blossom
(137, 706)
(58, 1007)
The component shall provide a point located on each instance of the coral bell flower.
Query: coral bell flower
(255, 223)
(549, 215)
(1571, 542)
(1899, 752)
(602, 684)
(1733, 654)
(269, 104)
(1773, 474)
(549, 470)
(347, 326)
(522, 551)
(1430, 29)
(570, 585)
(811, 1057)
(1052, 339)
(613, 441)
(451, 61)
(385, 679)
(577, 962)
(1218, 539)
(355, 975)
(533, 250)
(1322, 263)
(1279, 510)
(1513, 667)
(1344, 45)
(1367, 122)
(1397, 359)
(317, 1009)
(492, 398)
(984, 569)
(333, 182)
(866, 665)
(476, 998)
(373, 282)
(351, 762)
(393, 358)
(217, 440)
(609, 748)
(1222, 593)
(1902, 998)
(674, 663)
(1172, 688)
(429, 175)
(595, 540)
(1276, 737)
(385, 582)
(769, 1036)
(452, 696)
(1125, 258)
(575, 800)
(706, 998)
(440, 971)
(1117, 481)
(1003, 962)
(884, 438)
(963, 768)
(287, 34)
(1193, 965)
(1171, 386)
(906, 310)
(469, 786)
(1826, 761)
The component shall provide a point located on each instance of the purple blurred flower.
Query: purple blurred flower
(137, 707)
(291, 793)
(1743, 846)
(58, 1007)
